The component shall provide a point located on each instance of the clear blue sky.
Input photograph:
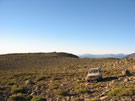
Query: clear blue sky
(75, 26)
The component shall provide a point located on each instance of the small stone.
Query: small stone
(62, 85)
(37, 88)
(103, 93)
(33, 93)
(126, 80)
(113, 82)
(119, 79)
(104, 97)
(29, 82)
(68, 98)
(87, 84)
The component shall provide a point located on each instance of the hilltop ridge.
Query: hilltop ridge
(130, 56)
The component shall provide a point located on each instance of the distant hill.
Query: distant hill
(51, 54)
(21, 60)
(130, 56)
(102, 56)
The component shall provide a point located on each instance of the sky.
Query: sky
(74, 26)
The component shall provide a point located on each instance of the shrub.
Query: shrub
(94, 99)
(82, 90)
(122, 92)
(78, 99)
(54, 86)
(38, 98)
(62, 92)
(2, 88)
(18, 89)
(17, 97)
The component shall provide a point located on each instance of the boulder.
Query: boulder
(29, 82)
(125, 72)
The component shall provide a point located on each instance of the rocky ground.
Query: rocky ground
(65, 81)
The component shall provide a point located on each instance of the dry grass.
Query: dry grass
(57, 77)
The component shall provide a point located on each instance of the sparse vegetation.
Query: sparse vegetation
(18, 89)
(81, 90)
(26, 76)
(17, 97)
(122, 92)
(38, 98)
(78, 99)
(62, 92)
(94, 99)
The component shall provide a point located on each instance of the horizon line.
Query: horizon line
(66, 52)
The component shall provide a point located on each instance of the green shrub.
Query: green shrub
(18, 89)
(82, 90)
(94, 99)
(38, 98)
(78, 99)
(17, 97)
(122, 92)
(62, 92)
(95, 85)
(54, 86)
(2, 88)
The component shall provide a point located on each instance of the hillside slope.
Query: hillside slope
(28, 60)
(27, 77)
(131, 56)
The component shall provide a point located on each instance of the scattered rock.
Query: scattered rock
(119, 79)
(87, 84)
(62, 85)
(29, 82)
(104, 97)
(103, 94)
(37, 88)
(134, 67)
(125, 72)
(68, 98)
(126, 80)
(130, 79)
(111, 83)
(33, 93)
(108, 90)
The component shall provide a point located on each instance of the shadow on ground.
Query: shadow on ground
(115, 77)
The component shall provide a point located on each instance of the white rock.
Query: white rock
(126, 80)
(104, 97)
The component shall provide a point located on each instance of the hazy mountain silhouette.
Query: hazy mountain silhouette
(102, 56)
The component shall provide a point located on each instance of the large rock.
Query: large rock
(125, 72)
(29, 82)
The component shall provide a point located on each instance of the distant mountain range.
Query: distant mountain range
(103, 56)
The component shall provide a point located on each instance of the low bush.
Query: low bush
(62, 92)
(18, 89)
(17, 97)
(82, 90)
(54, 86)
(38, 98)
(78, 99)
(94, 99)
(122, 92)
